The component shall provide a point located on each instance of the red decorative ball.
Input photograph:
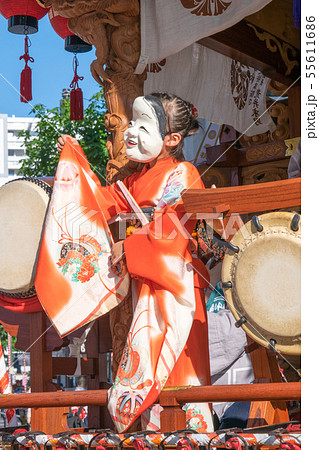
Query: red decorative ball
(59, 24)
(33, 8)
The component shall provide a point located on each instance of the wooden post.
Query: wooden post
(120, 90)
(173, 417)
(92, 349)
(42, 419)
(105, 346)
(41, 360)
(266, 370)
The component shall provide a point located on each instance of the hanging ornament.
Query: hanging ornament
(76, 95)
(25, 380)
(9, 359)
(23, 16)
(72, 42)
(26, 74)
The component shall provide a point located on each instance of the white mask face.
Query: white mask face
(142, 138)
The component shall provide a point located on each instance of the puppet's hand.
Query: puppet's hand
(117, 252)
(62, 141)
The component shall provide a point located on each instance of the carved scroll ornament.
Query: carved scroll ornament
(287, 52)
(271, 171)
(279, 111)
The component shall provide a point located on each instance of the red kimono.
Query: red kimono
(167, 344)
(167, 313)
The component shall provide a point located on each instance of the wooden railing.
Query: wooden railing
(246, 199)
(171, 399)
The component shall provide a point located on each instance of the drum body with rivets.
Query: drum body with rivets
(23, 205)
(262, 280)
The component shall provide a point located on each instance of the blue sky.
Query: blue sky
(51, 71)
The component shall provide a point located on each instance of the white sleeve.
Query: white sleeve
(176, 183)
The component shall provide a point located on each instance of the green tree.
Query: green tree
(42, 156)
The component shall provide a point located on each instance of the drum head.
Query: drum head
(265, 277)
(23, 205)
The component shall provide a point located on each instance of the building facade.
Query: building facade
(12, 150)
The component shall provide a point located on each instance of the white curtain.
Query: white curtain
(168, 26)
(223, 90)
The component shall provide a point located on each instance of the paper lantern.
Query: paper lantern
(22, 15)
(72, 43)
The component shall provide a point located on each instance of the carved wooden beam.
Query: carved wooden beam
(226, 155)
(257, 48)
(119, 92)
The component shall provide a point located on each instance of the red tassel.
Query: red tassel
(26, 74)
(26, 85)
(76, 95)
(76, 104)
